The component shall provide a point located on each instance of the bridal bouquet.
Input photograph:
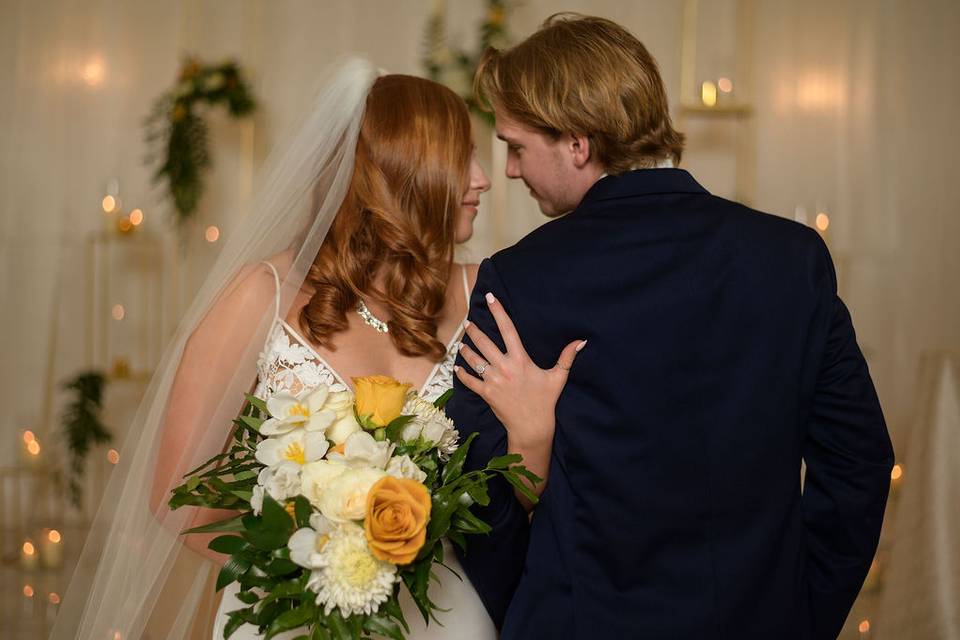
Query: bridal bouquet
(344, 499)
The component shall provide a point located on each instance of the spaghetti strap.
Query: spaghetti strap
(276, 280)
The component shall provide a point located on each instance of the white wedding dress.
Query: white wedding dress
(289, 363)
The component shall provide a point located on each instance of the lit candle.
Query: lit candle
(708, 94)
(51, 549)
(28, 555)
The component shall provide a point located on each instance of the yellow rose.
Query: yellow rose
(396, 524)
(380, 399)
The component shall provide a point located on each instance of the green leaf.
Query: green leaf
(442, 401)
(230, 524)
(231, 571)
(303, 510)
(526, 473)
(243, 495)
(253, 423)
(515, 480)
(467, 522)
(319, 633)
(235, 622)
(383, 626)
(280, 567)
(339, 627)
(457, 538)
(392, 608)
(454, 466)
(395, 428)
(248, 597)
(504, 461)
(192, 483)
(289, 620)
(275, 517)
(227, 544)
(258, 403)
(441, 509)
(478, 492)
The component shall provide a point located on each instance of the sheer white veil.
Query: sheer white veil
(134, 568)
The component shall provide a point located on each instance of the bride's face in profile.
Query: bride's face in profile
(479, 182)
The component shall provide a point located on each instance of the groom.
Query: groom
(720, 358)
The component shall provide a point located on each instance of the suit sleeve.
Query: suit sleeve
(494, 563)
(849, 457)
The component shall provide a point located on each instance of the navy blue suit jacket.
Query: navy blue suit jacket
(719, 358)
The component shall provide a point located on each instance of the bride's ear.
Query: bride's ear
(579, 146)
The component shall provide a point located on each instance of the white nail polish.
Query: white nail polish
(581, 345)
(490, 298)
(466, 324)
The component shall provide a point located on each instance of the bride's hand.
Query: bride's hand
(522, 395)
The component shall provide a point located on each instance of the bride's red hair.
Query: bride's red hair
(400, 213)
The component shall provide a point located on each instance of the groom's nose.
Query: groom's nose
(513, 168)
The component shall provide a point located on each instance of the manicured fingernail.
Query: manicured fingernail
(466, 324)
(490, 298)
(581, 345)
(457, 368)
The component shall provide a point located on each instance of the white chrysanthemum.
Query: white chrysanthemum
(298, 446)
(431, 424)
(348, 576)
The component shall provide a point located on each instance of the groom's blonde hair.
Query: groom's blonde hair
(586, 76)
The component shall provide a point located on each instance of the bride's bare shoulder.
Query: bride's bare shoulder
(255, 284)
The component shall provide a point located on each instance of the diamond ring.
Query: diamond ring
(480, 368)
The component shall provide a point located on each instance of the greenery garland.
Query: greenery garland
(82, 426)
(177, 133)
(455, 67)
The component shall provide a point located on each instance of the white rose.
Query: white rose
(362, 450)
(316, 478)
(345, 498)
(343, 428)
(404, 467)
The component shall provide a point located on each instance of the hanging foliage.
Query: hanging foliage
(177, 134)
(82, 426)
(455, 67)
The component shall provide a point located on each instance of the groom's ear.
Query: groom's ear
(579, 146)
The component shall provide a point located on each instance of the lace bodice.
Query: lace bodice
(289, 363)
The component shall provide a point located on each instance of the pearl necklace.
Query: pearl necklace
(371, 319)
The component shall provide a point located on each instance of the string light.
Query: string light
(54, 598)
(28, 591)
(823, 221)
(896, 473)
(725, 85)
(113, 456)
(136, 217)
(864, 626)
(54, 536)
(212, 233)
(28, 548)
(109, 203)
(33, 448)
(28, 437)
(118, 312)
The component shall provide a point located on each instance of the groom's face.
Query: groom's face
(543, 163)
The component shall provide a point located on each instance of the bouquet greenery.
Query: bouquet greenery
(343, 500)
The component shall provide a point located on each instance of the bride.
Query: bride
(343, 267)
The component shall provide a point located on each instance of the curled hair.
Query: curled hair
(399, 216)
(586, 76)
